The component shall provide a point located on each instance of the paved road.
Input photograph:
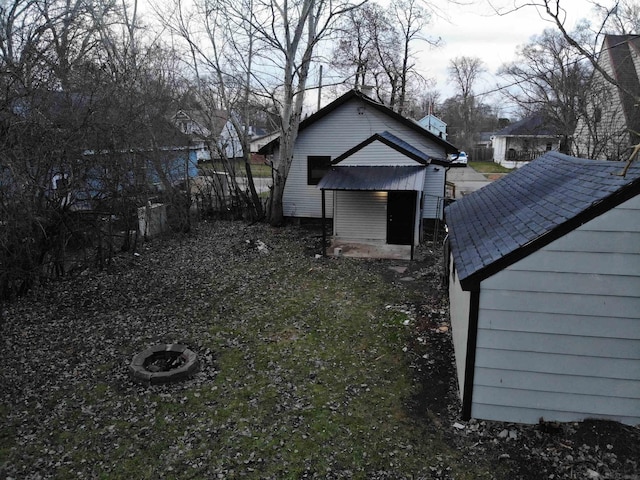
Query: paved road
(466, 180)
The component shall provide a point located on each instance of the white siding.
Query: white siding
(361, 216)
(378, 153)
(499, 149)
(459, 309)
(432, 204)
(333, 135)
(607, 139)
(559, 331)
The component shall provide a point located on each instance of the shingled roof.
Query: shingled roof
(535, 125)
(507, 220)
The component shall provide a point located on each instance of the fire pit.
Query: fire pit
(163, 364)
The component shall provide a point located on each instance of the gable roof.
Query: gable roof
(354, 94)
(533, 126)
(624, 55)
(394, 142)
(511, 218)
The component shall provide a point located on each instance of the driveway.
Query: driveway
(466, 180)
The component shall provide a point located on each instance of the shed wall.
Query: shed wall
(459, 310)
(559, 331)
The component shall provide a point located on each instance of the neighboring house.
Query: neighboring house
(606, 133)
(214, 130)
(485, 140)
(229, 143)
(257, 143)
(519, 143)
(434, 125)
(381, 162)
(200, 127)
(543, 286)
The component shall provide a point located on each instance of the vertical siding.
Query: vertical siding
(459, 310)
(559, 331)
(361, 216)
(333, 135)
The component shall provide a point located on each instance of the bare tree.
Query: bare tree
(464, 73)
(376, 47)
(614, 16)
(272, 60)
(354, 56)
(82, 107)
(549, 77)
(622, 17)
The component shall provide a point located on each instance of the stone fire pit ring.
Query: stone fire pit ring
(181, 364)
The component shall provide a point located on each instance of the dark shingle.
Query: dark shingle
(535, 201)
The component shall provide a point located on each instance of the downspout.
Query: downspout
(470, 363)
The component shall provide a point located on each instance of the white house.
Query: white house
(356, 131)
(517, 144)
(543, 286)
(434, 125)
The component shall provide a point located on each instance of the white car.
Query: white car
(459, 159)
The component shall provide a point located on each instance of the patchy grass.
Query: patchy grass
(311, 368)
(489, 167)
(258, 170)
(305, 370)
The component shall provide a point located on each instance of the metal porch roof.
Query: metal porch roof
(379, 178)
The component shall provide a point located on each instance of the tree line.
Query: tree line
(89, 90)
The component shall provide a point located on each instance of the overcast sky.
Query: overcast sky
(474, 30)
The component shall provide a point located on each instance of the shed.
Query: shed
(544, 288)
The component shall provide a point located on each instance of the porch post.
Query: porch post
(324, 230)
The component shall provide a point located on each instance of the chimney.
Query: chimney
(366, 90)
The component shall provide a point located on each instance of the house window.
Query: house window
(317, 166)
(597, 115)
(549, 147)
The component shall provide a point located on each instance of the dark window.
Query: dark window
(549, 147)
(317, 166)
(597, 115)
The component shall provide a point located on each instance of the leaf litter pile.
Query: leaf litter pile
(309, 368)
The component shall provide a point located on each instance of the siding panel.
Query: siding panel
(556, 364)
(561, 303)
(560, 344)
(537, 322)
(572, 384)
(361, 215)
(575, 283)
(511, 414)
(433, 201)
(564, 402)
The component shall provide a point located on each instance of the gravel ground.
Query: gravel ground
(284, 391)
